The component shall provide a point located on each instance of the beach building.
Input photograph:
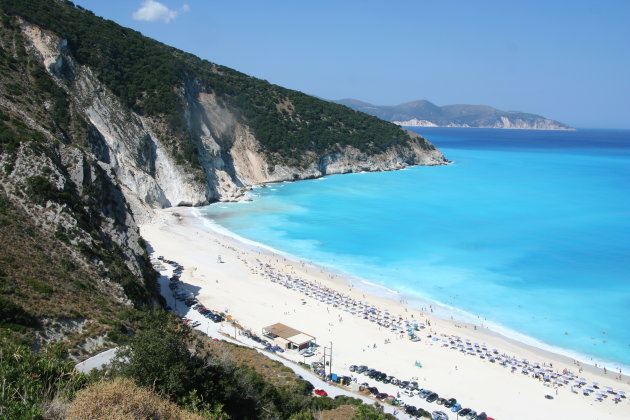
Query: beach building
(287, 337)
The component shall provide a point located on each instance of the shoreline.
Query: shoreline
(254, 301)
(440, 310)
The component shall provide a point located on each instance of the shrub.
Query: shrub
(30, 381)
(13, 314)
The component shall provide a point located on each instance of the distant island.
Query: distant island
(423, 113)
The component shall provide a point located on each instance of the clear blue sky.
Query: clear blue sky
(565, 59)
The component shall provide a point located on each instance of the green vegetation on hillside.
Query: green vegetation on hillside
(166, 357)
(152, 79)
(39, 278)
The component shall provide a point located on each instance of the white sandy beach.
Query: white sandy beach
(240, 287)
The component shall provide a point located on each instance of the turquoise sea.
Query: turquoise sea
(527, 231)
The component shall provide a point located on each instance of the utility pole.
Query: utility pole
(330, 358)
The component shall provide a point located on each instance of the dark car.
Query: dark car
(373, 390)
(361, 369)
(353, 368)
(464, 412)
(367, 372)
(432, 397)
(482, 416)
(471, 415)
(387, 380)
(411, 410)
(381, 395)
(403, 384)
(440, 401)
(450, 402)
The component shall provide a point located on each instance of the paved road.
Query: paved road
(97, 361)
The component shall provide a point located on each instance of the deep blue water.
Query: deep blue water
(527, 229)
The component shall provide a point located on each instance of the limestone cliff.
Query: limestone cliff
(230, 156)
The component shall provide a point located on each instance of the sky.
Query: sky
(567, 60)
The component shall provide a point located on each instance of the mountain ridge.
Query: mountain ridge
(423, 113)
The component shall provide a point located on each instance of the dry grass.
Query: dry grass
(274, 372)
(121, 399)
(340, 413)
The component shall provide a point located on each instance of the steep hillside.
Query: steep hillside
(426, 114)
(100, 125)
(178, 130)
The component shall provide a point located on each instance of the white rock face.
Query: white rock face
(414, 122)
(231, 157)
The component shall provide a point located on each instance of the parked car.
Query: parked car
(424, 393)
(456, 407)
(411, 410)
(381, 395)
(432, 397)
(403, 384)
(471, 415)
(353, 368)
(450, 402)
(464, 412)
(321, 392)
(482, 416)
(439, 415)
(440, 401)
(361, 369)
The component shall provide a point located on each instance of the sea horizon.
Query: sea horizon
(280, 216)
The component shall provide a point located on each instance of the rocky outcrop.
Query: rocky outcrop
(132, 147)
